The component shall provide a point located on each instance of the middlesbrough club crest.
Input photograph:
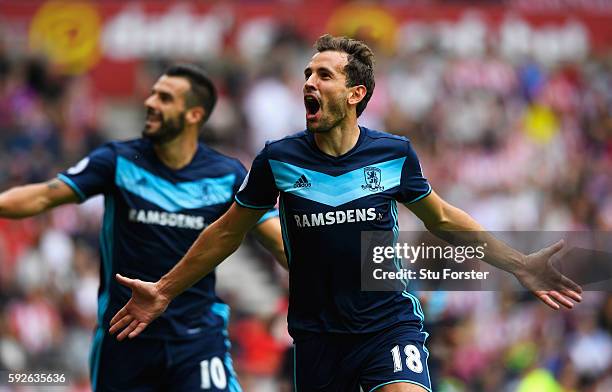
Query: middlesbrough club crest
(373, 177)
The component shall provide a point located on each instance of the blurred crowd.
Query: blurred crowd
(517, 143)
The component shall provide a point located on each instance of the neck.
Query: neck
(339, 140)
(177, 153)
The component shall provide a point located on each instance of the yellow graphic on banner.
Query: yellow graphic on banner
(68, 33)
(371, 23)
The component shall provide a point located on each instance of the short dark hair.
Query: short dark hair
(202, 91)
(359, 69)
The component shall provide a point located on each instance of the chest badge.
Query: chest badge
(373, 176)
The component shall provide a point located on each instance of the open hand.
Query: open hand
(146, 305)
(547, 283)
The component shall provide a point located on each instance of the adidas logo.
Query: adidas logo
(302, 182)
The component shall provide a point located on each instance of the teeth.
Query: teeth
(153, 116)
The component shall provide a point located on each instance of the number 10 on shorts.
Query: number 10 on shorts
(213, 371)
(413, 359)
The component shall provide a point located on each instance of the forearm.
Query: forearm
(269, 234)
(459, 228)
(27, 200)
(281, 258)
(213, 246)
(278, 252)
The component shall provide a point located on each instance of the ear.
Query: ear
(356, 94)
(195, 115)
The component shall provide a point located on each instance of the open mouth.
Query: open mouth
(153, 115)
(312, 106)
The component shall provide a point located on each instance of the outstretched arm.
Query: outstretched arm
(214, 244)
(29, 200)
(534, 271)
(269, 234)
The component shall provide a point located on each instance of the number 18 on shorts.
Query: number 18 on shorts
(338, 362)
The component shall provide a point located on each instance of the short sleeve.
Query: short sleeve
(241, 174)
(93, 174)
(413, 185)
(258, 190)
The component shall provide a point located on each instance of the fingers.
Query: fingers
(554, 298)
(126, 323)
(119, 315)
(127, 330)
(547, 300)
(554, 248)
(573, 295)
(567, 288)
(137, 330)
(570, 285)
(131, 283)
(560, 298)
(562, 283)
(120, 324)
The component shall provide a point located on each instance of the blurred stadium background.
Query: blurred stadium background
(509, 105)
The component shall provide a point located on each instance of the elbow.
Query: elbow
(440, 222)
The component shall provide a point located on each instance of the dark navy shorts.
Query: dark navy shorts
(147, 365)
(343, 363)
